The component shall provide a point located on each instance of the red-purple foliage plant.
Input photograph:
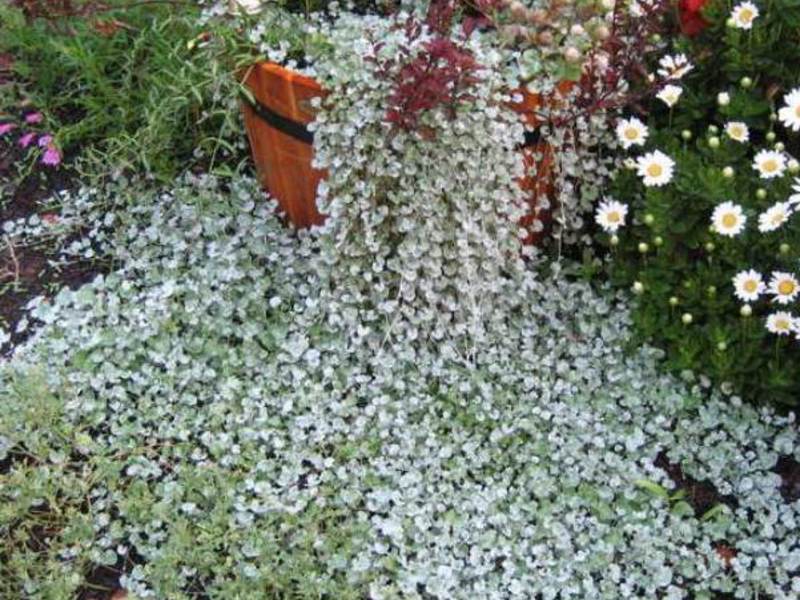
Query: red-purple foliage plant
(439, 76)
(615, 74)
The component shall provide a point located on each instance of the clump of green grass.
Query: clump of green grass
(147, 88)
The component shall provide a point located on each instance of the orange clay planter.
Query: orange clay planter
(537, 154)
(282, 147)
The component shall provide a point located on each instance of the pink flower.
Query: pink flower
(52, 156)
(34, 117)
(6, 127)
(50, 218)
(26, 139)
(45, 141)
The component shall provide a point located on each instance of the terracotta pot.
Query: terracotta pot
(282, 146)
(539, 154)
(280, 143)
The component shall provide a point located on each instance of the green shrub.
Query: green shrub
(685, 272)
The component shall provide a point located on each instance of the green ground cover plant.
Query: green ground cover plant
(197, 420)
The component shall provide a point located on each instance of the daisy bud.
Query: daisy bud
(655, 38)
(722, 346)
(649, 219)
(723, 99)
(784, 248)
(545, 38)
(643, 248)
(630, 164)
(602, 32)
(673, 301)
(771, 136)
(773, 117)
(745, 310)
(779, 146)
(614, 240)
(730, 22)
(710, 246)
(745, 82)
(727, 172)
(638, 287)
(537, 16)
(577, 30)
(518, 10)
(713, 142)
(793, 166)
(687, 318)
(711, 290)
(686, 134)
(514, 32)
(572, 54)
(761, 193)
(608, 4)
(658, 241)
(713, 129)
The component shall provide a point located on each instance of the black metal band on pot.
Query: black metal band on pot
(299, 131)
(291, 128)
(531, 138)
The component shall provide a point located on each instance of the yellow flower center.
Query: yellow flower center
(613, 217)
(736, 132)
(654, 170)
(786, 287)
(797, 111)
(730, 220)
(746, 15)
(631, 133)
(770, 165)
(782, 325)
(751, 285)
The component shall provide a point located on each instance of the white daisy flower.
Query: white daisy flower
(611, 215)
(744, 14)
(728, 219)
(737, 131)
(781, 322)
(631, 132)
(795, 198)
(669, 94)
(775, 216)
(674, 67)
(790, 114)
(784, 286)
(655, 168)
(748, 285)
(769, 163)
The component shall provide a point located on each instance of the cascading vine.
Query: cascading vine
(407, 242)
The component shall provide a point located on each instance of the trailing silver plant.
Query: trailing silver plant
(423, 224)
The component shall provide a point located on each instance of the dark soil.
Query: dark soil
(701, 495)
(25, 272)
(789, 470)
